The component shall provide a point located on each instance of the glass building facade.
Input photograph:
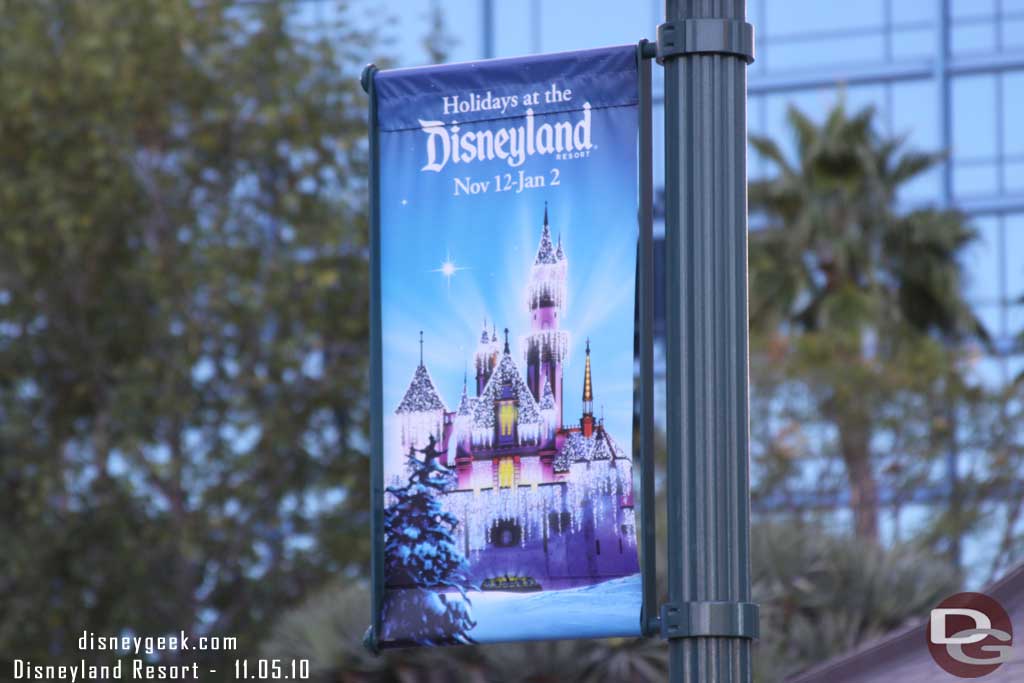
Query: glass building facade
(946, 74)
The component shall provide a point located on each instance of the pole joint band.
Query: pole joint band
(706, 36)
(709, 620)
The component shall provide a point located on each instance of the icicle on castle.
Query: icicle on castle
(541, 504)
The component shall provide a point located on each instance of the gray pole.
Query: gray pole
(705, 46)
(487, 11)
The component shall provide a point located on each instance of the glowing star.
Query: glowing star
(448, 269)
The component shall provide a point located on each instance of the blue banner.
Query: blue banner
(508, 229)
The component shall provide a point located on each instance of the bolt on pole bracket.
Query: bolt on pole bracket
(709, 619)
(706, 36)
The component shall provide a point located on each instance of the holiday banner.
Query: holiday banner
(507, 256)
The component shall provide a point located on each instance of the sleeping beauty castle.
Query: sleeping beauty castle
(542, 503)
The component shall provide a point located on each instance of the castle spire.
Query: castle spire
(506, 341)
(545, 250)
(588, 389)
(421, 347)
(587, 421)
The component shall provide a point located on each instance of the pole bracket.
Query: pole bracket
(706, 36)
(709, 620)
(366, 77)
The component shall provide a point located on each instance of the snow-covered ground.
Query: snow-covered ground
(607, 609)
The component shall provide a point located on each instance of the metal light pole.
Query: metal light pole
(705, 46)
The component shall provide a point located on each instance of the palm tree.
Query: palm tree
(845, 282)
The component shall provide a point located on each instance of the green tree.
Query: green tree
(183, 317)
(858, 300)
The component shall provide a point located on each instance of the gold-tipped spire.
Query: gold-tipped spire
(588, 389)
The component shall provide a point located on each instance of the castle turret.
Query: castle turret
(547, 344)
(421, 413)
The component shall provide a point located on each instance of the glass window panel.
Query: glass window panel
(1014, 329)
(786, 17)
(912, 11)
(988, 371)
(981, 262)
(1013, 112)
(1013, 177)
(923, 189)
(975, 180)
(1015, 366)
(913, 43)
(755, 113)
(576, 25)
(755, 164)
(973, 38)
(914, 114)
(814, 103)
(991, 317)
(970, 8)
(462, 19)
(411, 21)
(1013, 254)
(1013, 33)
(800, 54)
(513, 29)
(861, 96)
(974, 117)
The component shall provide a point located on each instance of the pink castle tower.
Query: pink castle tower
(546, 345)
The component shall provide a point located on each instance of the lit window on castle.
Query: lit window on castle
(506, 419)
(506, 472)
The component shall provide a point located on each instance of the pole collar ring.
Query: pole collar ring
(709, 620)
(706, 36)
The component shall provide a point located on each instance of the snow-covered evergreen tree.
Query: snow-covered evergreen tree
(425, 570)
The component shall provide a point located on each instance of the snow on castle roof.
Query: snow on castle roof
(579, 448)
(547, 397)
(505, 373)
(422, 395)
(545, 250)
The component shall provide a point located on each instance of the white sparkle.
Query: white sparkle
(448, 269)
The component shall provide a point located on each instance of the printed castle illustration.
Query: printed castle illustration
(541, 503)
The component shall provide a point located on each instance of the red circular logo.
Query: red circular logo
(969, 635)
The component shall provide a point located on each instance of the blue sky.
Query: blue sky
(492, 239)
